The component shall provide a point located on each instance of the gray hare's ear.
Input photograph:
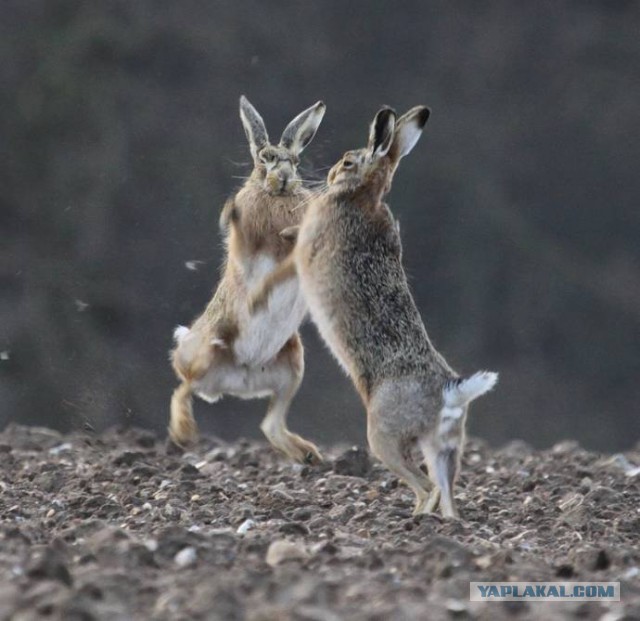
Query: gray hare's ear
(300, 132)
(408, 131)
(253, 127)
(381, 132)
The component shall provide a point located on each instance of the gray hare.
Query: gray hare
(347, 259)
(228, 350)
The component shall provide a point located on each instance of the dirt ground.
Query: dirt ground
(120, 526)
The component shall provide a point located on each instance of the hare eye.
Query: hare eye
(266, 157)
(348, 164)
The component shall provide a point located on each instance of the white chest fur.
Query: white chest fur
(263, 335)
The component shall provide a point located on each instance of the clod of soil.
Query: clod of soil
(118, 527)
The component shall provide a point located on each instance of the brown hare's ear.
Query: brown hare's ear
(300, 132)
(253, 127)
(381, 132)
(408, 131)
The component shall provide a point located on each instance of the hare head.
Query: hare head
(390, 139)
(276, 166)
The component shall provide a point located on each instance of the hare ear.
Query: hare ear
(408, 131)
(300, 132)
(381, 132)
(253, 127)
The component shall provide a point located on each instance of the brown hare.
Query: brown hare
(347, 259)
(228, 350)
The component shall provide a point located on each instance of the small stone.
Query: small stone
(127, 458)
(60, 448)
(151, 544)
(281, 495)
(302, 514)
(564, 447)
(586, 484)
(456, 606)
(602, 496)
(146, 439)
(283, 550)
(190, 472)
(245, 527)
(353, 462)
(187, 556)
(170, 511)
(294, 528)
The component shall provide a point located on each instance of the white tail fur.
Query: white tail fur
(459, 393)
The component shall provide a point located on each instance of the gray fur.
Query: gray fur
(301, 130)
(348, 258)
(254, 127)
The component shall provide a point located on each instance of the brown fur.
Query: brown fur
(256, 229)
(272, 199)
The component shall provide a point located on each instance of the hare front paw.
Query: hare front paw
(300, 450)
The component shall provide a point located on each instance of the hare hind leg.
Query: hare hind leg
(192, 359)
(394, 453)
(287, 369)
(443, 463)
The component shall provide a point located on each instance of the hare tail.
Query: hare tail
(459, 392)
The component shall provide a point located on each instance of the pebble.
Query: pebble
(353, 462)
(283, 550)
(281, 495)
(61, 448)
(187, 556)
(151, 544)
(245, 527)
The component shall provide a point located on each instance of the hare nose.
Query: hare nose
(284, 180)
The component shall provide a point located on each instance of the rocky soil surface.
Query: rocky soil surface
(120, 526)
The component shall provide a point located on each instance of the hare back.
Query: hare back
(358, 296)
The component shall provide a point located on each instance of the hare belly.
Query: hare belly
(241, 381)
(264, 334)
(321, 316)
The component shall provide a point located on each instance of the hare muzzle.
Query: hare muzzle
(280, 182)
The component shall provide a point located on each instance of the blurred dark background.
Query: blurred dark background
(519, 208)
